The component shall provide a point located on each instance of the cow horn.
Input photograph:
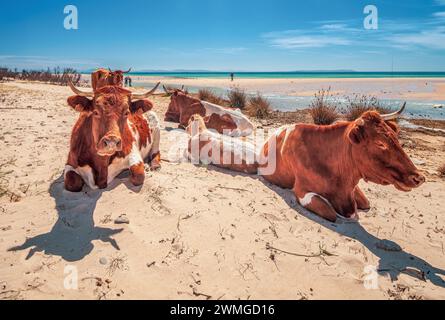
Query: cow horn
(127, 71)
(79, 92)
(394, 115)
(138, 96)
(167, 91)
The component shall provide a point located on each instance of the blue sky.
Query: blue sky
(239, 35)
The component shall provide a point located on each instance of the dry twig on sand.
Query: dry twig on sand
(323, 252)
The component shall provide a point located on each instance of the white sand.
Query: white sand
(420, 89)
(195, 231)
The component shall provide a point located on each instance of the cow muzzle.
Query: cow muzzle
(109, 145)
(411, 182)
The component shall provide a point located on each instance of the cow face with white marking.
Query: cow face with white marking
(107, 114)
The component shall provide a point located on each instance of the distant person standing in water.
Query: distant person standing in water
(232, 75)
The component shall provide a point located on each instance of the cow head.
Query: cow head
(378, 154)
(196, 125)
(103, 77)
(108, 111)
(221, 123)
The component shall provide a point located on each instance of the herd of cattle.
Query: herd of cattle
(117, 130)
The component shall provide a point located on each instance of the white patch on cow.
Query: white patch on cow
(289, 130)
(307, 199)
(85, 172)
(234, 151)
(118, 165)
(244, 126)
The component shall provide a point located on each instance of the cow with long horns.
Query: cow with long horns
(107, 77)
(324, 164)
(226, 121)
(115, 131)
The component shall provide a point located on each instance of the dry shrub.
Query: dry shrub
(359, 104)
(441, 170)
(237, 98)
(55, 76)
(322, 109)
(259, 107)
(209, 96)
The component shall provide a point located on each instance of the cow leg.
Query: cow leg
(155, 162)
(317, 204)
(360, 198)
(137, 174)
(155, 154)
(73, 182)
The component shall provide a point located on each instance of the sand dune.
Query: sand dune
(198, 232)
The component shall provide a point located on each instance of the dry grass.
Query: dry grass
(237, 98)
(4, 182)
(359, 104)
(259, 107)
(55, 76)
(210, 96)
(441, 170)
(322, 109)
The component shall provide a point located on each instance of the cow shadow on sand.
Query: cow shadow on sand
(391, 263)
(73, 234)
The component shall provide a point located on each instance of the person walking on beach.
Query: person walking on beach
(232, 75)
(126, 81)
(129, 81)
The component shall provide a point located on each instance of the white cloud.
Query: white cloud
(312, 41)
(432, 39)
(419, 34)
(439, 14)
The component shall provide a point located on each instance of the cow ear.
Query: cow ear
(80, 104)
(141, 106)
(357, 133)
(394, 127)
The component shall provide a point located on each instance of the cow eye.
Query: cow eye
(381, 145)
(126, 113)
(95, 113)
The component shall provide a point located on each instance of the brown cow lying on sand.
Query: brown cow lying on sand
(225, 121)
(324, 164)
(210, 147)
(113, 133)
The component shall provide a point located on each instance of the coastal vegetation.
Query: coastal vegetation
(258, 107)
(323, 108)
(237, 98)
(209, 96)
(359, 104)
(54, 76)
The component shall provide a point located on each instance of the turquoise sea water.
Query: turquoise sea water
(414, 109)
(296, 75)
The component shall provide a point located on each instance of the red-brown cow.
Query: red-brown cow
(113, 133)
(106, 77)
(227, 121)
(209, 147)
(324, 164)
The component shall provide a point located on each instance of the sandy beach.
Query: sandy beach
(197, 232)
(426, 89)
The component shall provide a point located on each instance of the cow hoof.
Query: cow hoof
(155, 167)
(354, 218)
(137, 180)
(73, 182)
